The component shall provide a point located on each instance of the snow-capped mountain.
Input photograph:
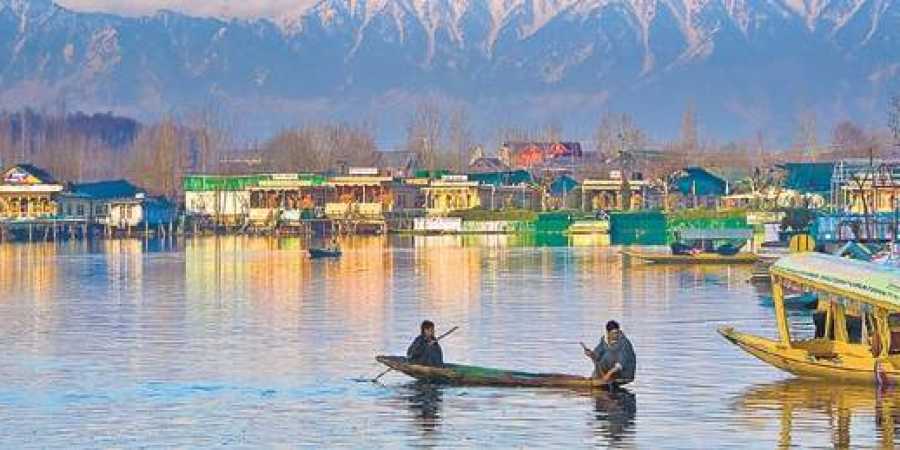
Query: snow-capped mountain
(745, 64)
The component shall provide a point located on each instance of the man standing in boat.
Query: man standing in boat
(425, 349)
(614, 358)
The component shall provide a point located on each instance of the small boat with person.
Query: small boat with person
(857, 321)
(702, 246)
(723, 242)
(333, 250)
(699, 258)
(317, 253)
(462, 375)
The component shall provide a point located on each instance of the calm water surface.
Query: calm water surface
(244, 342)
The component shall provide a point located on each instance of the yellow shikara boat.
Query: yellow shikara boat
(700, 258)
(857, 324)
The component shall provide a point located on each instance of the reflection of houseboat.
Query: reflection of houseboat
(864, 348)
(831, 404)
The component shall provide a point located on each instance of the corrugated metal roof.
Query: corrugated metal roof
(106, 189)
(809, 177)
(869, 282)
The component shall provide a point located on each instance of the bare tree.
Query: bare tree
(159, 158)
(425, 131)
(460, 138)
(894, 120)
(807, 134)
(212, 138)
(848, 138)
(617, 133)
(689, 140)
(861, 181)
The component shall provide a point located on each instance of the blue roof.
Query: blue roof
(698, 181)
(107, 189)
(808, 177)
(511, 178)
(562, 186)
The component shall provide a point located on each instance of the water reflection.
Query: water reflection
(88, 326)
(424, 402)
(810, 410)
(615, 412)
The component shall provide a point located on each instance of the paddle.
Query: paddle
(378, 377)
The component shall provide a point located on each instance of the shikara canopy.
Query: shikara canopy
(709, 234)
(858, 280)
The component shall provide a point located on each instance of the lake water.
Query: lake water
(245, 342)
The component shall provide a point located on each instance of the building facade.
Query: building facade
(28, 193)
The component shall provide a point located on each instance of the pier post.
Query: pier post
(30, 232)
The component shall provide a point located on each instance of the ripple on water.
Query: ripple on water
(245, 342)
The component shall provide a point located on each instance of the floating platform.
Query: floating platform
(701, 258)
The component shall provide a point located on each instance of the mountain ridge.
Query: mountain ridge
(745, 65)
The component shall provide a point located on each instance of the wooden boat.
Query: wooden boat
(725, 242)
(851, 294)
(699, 258)
(324, 253)
(457, 374)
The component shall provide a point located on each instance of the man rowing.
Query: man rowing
(614, 358)
(425, 349)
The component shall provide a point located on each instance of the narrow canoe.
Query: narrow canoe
(324, 253)
(482, 376)
(702, 258)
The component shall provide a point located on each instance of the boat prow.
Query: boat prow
(816, 358)
(458, 374)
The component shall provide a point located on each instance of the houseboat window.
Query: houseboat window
(80, 210)
(894, 324)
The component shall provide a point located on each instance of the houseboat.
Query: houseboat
(857, 323)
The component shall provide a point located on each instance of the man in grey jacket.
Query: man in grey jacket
(614, 358)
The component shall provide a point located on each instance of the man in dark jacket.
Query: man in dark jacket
(425, 349)
(614, 358)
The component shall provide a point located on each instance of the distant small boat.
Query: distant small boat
(324, 253)
(724, 242)
(699, 258)
(461, 375)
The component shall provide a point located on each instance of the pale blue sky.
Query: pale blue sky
(218, 8)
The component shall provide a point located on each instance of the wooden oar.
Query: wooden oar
(375, 380)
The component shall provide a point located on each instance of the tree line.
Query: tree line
(79, 147)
